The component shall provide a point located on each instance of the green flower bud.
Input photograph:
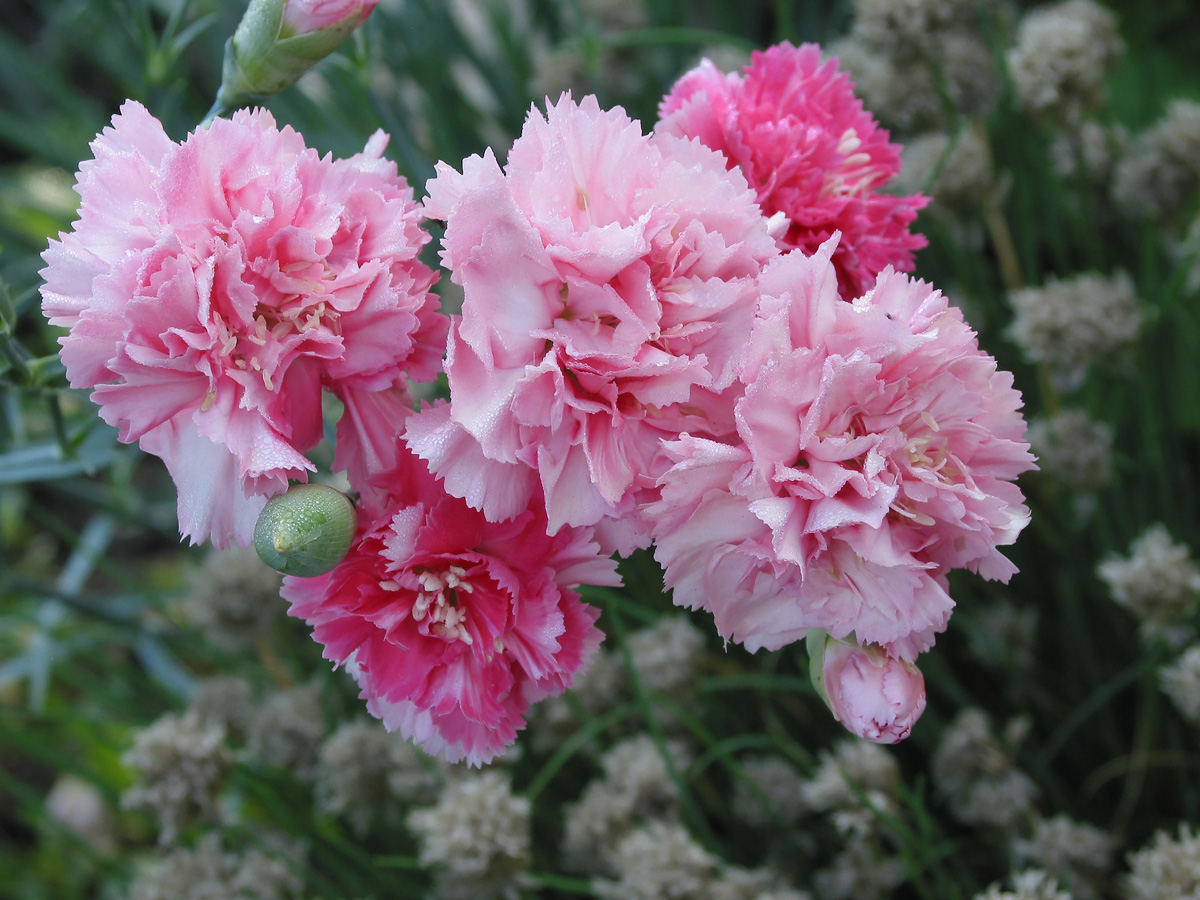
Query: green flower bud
(277, 41)
(305, 531)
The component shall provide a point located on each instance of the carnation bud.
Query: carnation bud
(277, 41)
(876, 696)
(305, 531)
(306, 16)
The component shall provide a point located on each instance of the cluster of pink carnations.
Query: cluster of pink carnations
(698, 339)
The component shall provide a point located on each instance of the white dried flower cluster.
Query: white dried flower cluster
(733, 883)
(860, 872)
(636, 787)
(1186, 252)
(667, 654)
(1160, 177)
(1071, 323)
(1181, 682)
(476, 835)
(1166, 869)
(1078, 855)
(907, 24)
(207, 872)
(854, 768)
(596, 689)
(975, 775)
(614, 15)
(360, 766)
(1031, 884)
(287, 729)
(1090, 150)
(774, 778)
(565, 67)
(1062, 54)
(1158, 582)
(661, 861)
(1003, 635)
(954, 171)
(225, 700)
(910, 92)
(78, 806)
(233, 597)
(179, 765)
(1073, 448)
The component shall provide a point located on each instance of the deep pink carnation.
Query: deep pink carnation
(608, 283)
(213, 288)
(454, 625)
(878, 446)
(794, 127)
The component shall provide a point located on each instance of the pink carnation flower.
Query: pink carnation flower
(808, 148)
(878, 446)
(454, 625)
(213, 288)
(608, 282)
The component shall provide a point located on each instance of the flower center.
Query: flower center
(438, 601)
(249, 350)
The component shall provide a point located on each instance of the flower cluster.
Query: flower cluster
(698, 337)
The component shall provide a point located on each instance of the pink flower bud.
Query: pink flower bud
(875, 695)
(305, 16)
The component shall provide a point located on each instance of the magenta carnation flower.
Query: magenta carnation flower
(609, 280)
(454, 625)
(878, 446)
(794, 127)
(213, 288)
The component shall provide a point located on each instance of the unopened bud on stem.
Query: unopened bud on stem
(877, 696)
(305, 531)
(277, 41)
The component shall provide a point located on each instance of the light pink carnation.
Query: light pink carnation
(608, 283)
(878, 445)
(213, 288)
(877, 697)
(454, 625)
(794, 127)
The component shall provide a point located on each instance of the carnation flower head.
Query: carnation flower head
(451, 624)
(212, 290)
(793, 126)
(878, 448)
(608, 282)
